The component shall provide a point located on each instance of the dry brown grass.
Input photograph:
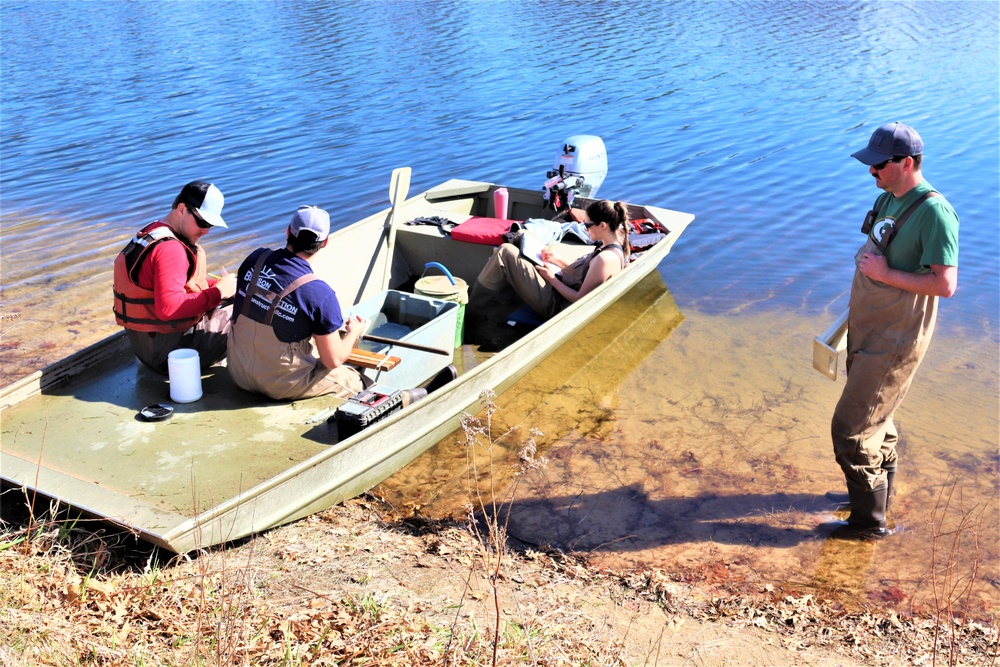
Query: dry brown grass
(358, 584)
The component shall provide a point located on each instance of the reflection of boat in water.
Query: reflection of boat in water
(574, 389)
(588, 370)
(232, 464)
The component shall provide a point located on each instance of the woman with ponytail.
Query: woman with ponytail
(552, 286)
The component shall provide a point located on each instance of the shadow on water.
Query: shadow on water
(557, 397)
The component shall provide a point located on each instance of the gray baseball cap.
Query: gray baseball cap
(312, 218)
(889, 141)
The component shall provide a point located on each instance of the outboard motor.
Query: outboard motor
(580, 170)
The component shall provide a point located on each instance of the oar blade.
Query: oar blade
(399, 187)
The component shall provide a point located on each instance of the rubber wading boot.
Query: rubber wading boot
(890, 477)
(867, 519)
(411, 396)
(443, 377)
(844, 499)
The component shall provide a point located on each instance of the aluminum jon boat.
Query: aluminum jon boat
(232, 464)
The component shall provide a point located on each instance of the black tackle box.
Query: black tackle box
(359, 412)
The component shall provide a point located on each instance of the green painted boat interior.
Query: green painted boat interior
(89, 428)
(234, 463)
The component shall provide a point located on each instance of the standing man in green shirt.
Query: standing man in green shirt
(910, 258)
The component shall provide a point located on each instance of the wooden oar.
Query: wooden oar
(403, 343)
(399, 187)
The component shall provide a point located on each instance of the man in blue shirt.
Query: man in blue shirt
(289, 339)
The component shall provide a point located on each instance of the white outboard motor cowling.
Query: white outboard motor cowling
(579, 170)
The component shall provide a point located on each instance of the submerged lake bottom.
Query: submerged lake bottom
(698, 444)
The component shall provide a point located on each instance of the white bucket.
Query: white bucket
(184, 371)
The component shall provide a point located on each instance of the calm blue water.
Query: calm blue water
(742, 113)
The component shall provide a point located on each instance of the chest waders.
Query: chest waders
(261, 363)
(888, 333)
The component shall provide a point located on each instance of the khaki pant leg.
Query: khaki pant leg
(152, 348)
(261, 363)
(507, 266)
(209, 337)
(243, 362)
(342, 381)
(864, 435)
(493, 276)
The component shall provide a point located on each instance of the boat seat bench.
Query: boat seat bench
(428, 243)
(373, 360)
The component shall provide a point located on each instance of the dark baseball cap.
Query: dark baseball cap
(889, 141)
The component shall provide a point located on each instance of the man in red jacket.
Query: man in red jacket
(162, 294)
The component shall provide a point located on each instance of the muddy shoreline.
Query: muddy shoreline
(361, 582)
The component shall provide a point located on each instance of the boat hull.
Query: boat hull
(233, 464)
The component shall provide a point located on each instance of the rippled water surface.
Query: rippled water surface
(696, 437)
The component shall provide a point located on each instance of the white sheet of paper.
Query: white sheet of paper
(532, 247)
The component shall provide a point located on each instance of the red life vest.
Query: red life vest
(133, 305)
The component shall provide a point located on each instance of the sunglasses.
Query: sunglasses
(198, 220)
(588, 225)
(882, 165)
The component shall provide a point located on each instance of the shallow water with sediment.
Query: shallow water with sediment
(699, 445)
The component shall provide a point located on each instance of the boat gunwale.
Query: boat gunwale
(540, 342)
(437, 397)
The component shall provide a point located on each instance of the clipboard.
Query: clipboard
(532, 247)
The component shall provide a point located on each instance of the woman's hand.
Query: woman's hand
(548, 272)
(549, 256)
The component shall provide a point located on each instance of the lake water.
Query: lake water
(708, 444)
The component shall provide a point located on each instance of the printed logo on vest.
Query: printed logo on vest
(882, 229)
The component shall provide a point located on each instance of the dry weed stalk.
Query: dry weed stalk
(951, 587)
(91, 582)
(225, 601)
(224, 608)
(488, 515)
